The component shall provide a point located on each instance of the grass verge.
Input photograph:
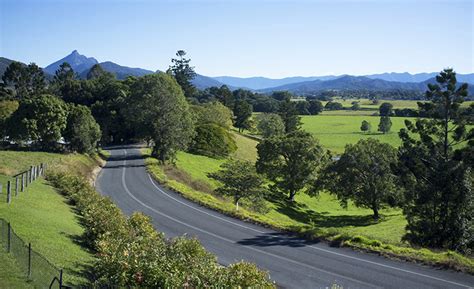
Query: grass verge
(320, 218)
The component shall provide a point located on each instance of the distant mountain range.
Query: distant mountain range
(298, 84)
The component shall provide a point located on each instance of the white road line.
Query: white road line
(229, 240)
(310, 246)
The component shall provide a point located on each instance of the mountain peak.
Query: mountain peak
(78, 62)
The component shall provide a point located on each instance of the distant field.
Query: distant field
(367, 103)
(335, 131)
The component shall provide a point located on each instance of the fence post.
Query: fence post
(9, 237)
(22, 187)
(16, 186)
(9, 197)
(29, 260)
(30, 175)
(60, 278)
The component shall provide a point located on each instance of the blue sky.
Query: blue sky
(246, 38)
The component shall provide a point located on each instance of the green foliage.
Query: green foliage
(436, 169)
(302, 107)
(290, 161)
(240, 181)
(386, 109)
(213, 113)
(332, 105)
(315, 107)
(385, 124)
(355, 106)
(131, 253)
(282, 95)
(212, 140)
(270, 124)
(183, 73)
(7, 108)
(28, 80)
(40, 120)
(363, 174)
(158, 108)
(365, 126)
(82, 131)
(289, 115)
(242, 113)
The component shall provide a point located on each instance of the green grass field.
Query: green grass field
(335, 131)
(397, 104)
(43, 217)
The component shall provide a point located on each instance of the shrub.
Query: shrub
(213, 141)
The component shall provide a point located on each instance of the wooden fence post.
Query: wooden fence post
(29, 260)
(22, 187)
(16, 186)
(9, 237)
(9, 196)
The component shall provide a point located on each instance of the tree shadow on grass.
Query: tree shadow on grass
(301, 213)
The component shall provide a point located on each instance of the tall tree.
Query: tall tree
(289, 115)
(364, 174)
(240, 181)
(82, 132)
(436, 169)
(315, 107)
(385, 124)
(365, 126)
(270, 124)
(242, 114)
(28, 80)
(386, 109)
(160, 111)
(183, 73)
(40, 120)
(290, 161)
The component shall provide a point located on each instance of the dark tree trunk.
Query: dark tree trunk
(376, 213)
(291, 197)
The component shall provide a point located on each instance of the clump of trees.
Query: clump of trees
(159, 109)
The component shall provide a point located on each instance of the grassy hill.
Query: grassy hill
(43, 217)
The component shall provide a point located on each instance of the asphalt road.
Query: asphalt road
(291, 261)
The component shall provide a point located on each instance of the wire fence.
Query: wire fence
(19, 182)
(39, 271)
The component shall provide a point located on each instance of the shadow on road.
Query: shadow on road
(277, 239)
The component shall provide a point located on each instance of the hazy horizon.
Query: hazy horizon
(273, 39)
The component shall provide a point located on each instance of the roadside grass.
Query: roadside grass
(312, 217)
(43, 217)
(335, 131)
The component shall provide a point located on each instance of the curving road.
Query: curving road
(291, 261)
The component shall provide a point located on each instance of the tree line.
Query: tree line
(429, 176)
